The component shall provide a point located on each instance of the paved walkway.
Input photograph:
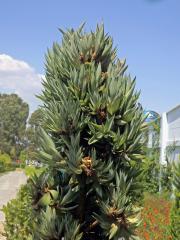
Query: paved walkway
(9, 185)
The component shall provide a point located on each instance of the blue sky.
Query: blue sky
(146, 32)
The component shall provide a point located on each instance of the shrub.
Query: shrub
(23, 157)
(175, 222)
(19, 216)
(175, 213)
(5, 162)
(31, 170)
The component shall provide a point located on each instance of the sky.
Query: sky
(146, 33)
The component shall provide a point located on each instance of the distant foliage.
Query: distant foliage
(23, 157)
(151, 166)
(150, 174)
(13, 116)
(35, 121)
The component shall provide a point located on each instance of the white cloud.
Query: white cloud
(17, 76)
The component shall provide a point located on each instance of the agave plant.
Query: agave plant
(91, 143)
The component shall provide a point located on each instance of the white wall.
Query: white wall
(169, 134)
(173, 119)
(177, 154)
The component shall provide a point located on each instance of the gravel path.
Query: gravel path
(9, 185)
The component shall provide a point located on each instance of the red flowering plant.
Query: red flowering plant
(155, 219)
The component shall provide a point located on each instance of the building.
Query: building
(170, 135)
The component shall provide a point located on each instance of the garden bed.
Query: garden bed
(156, 219)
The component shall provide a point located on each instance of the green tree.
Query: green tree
(13, 117)
(91, 142)
(35, 121)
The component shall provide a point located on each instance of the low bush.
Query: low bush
(5, 162)
(175, 223)
(19, 216)
(175, 213)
